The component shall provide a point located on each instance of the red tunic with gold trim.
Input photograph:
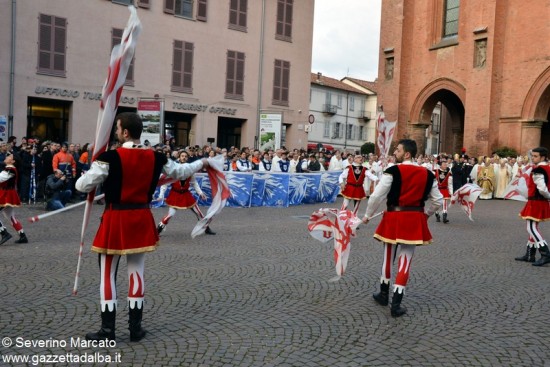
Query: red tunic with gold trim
(537, 207)
(8, 188)
(354, 183)
(127, 225)
(442, 178)
(405, 221)
(180, 197)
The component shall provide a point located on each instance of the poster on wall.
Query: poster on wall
(270, 131)
(3, 128)
(151, 115)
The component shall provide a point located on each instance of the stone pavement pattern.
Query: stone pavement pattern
(257, 294)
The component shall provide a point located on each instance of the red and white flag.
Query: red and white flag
(517, 188)
(121, 57)
(220, 194)
(466, 196)
(339, 225)
(385, 132)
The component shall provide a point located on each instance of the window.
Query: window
(182, 67)
(351, 103)
(281, 82)
(144, 3)
(450, 23)
(123, 2)
(183, 8)
(362, 133)
(201, 10)
(52, 42)
(234, 83)
(326, 132)
(237, 14)
(328, 98)
(115, 40)
(336, 132)
(349, 132)
(284, 20)
(339, 101)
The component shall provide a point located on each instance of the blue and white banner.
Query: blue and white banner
(272, 189)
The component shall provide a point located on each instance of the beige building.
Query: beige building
(215, 65)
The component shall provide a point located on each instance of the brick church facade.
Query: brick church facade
(486, 63)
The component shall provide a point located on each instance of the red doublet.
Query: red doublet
(354, 183)
(8, 189)
(537, 207)
(127, 225)
(180, 197)
(443, 182)
(407, 224)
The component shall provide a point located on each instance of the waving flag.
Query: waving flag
(340, 225)
(466, 196)
(385, 132)
(121, 57)
(517, 188)
(220, 194)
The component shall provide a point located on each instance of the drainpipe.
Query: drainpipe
(12, 69)
(346, 128)
(260, 78)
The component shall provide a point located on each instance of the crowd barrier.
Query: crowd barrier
(272, 189)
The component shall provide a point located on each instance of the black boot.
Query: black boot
(437, 217)
(134, 323)
(209, 231)
(160, 227)
(529, 255)
(107, 330)
(445, 220)
(22, 238)
(5, 236)
(545, 256)
(382, 297)
(396, 309)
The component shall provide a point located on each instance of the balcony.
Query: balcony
(365, 115)
(330, 109)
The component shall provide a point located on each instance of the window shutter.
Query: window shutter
(45, 42)
(170, 6)
(230, 77)
(201, 10)
(288, 19)
(243, 13)
(188, 67)
(277, 81)
(177, 65)
(285, 81)
(233, 10)
(239, 78)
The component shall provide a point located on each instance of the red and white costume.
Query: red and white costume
(357, 179)
(445, 185)
(129, 176)
(406, 188)
(181, 198)
(9, 198)
(537, 208)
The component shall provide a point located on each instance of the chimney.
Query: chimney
(319, 75)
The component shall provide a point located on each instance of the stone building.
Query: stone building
(216, 66)
(486, 62)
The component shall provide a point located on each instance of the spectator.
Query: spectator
(57, 193)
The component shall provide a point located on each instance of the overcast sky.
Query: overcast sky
(346, 38)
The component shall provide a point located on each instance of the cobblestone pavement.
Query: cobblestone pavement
(257, 294)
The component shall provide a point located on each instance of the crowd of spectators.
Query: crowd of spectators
(48, 170)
